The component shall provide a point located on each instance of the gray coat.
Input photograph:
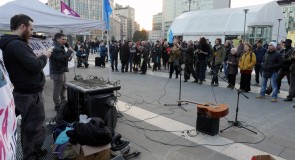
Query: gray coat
(233, 68)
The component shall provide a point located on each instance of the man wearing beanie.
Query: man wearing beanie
(271, 64)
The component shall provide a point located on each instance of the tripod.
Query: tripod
(235, 123)
(179, 102)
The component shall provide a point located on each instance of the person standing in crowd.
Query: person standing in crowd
(156, 56)
(25, 70)
(218, 57)
(103, 51)
(148, 46)
(228, 47)
(58, 66)
(292, 79)
(82, 57)
(246, 64)
(165, 55)
(232, 69)
(259, 53)
(144, 56)
(124, 56)
(131, 57)
(188, 61)
(287, 61)
(203, 51)
(174, 59)
(271, 64)
(114, 51)
(240, 49)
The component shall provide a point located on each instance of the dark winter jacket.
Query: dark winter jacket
(188, 54)
(114, 50)
(227, 52)
(93, 133)
(259, 52)
(25, 69)
(124, 53)
(286, 53)
(233, 68)
(272, 62)
(59, 59)
(80, 54)
(145, 54)
(204, 48)
(156, 55)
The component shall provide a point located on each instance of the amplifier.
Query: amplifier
(207, 125)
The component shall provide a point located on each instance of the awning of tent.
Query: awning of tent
(228, 21)
(46, 19)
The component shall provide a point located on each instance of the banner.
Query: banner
(39, 46)
(8, 121)
(67, 10)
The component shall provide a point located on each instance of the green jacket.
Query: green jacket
(218, 54)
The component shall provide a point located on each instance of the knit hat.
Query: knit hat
(273, 44)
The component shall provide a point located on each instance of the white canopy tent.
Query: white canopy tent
(229, 21)
(46, 19)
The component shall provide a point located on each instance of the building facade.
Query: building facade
(123, 27)
(157, 22)
(155, 35)
(288, 9)
(173, 8)
(129, 13)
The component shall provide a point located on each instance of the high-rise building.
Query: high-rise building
(288, 8)
(173, 8)
(115, 24)
(157, 21)
(129, 13)
(123, 27)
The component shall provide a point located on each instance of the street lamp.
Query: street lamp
(278, 29)
(246, 11)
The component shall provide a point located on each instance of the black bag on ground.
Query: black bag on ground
(93, 133)
(97, 61)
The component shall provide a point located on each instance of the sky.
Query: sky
(145, 9)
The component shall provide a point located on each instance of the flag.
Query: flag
(170, 36)
(107, 11)
(67, 10)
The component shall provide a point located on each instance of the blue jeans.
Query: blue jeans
(225, 69)
(273, 82)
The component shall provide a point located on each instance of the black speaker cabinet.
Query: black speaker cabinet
(102, 106)
(207, 125)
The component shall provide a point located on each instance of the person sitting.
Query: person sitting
(82, 57)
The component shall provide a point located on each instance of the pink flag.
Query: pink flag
(67, 10)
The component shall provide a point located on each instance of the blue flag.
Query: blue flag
(170, 36)
(107, 11)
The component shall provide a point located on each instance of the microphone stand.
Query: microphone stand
(235, 123)
(179, 102)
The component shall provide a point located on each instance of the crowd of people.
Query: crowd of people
(271, 61)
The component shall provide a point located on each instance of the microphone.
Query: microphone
(67, 45)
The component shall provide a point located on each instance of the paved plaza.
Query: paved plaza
(168, 133)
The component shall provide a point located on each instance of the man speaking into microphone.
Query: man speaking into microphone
(58, 66)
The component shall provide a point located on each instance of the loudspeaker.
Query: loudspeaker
(103, 106)
(207, 125)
